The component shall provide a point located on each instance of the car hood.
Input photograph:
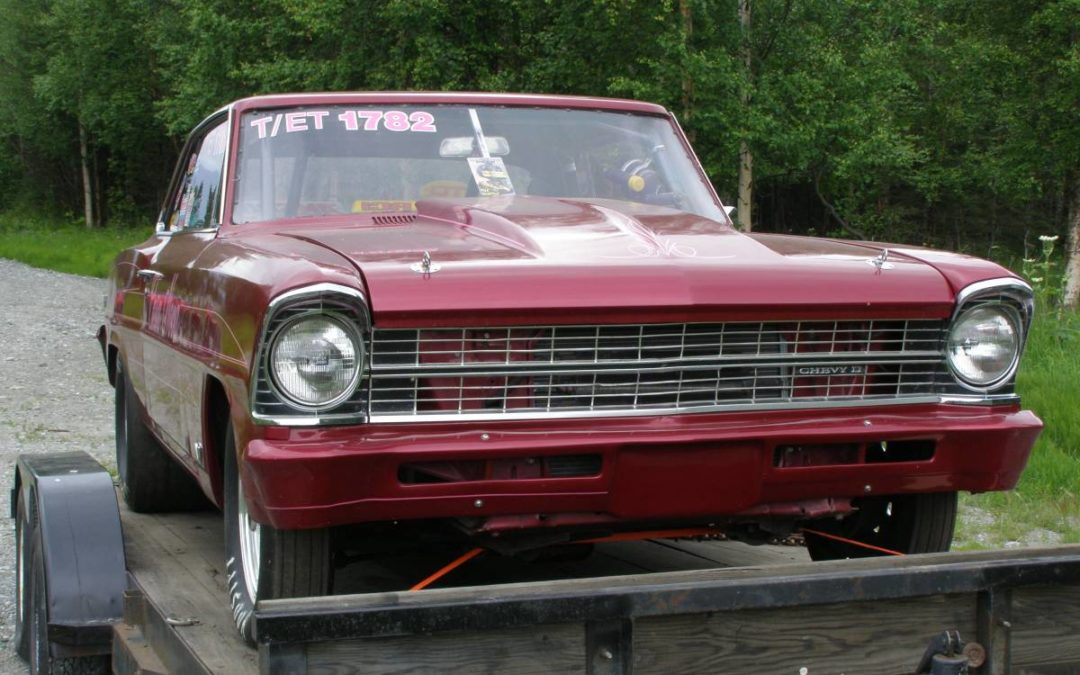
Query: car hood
(528, 259)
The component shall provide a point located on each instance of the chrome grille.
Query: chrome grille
(524, 371)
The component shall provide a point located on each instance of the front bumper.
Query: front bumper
(672, 467)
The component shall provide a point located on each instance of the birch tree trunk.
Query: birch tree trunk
(687, 79)
(88, 188)
(744, 204)
(1071, 296)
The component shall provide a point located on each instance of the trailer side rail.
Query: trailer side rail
(858, 616)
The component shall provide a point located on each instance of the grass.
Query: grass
(1047, 499)
(64, 246)
(1044, 508)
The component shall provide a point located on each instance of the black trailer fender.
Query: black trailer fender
(77, 536)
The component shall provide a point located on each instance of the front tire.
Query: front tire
(262, 562)
(150, 480)
(918, 523)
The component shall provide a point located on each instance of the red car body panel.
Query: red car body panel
(538, 261)
(685, 467)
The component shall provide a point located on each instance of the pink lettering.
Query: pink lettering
(349, 118)
(396, 120)
(260, 124)
(371, 118)
(422, 121)
(318, 116)
(295, 121)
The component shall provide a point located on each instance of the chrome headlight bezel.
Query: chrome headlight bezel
(348, 306)
(1010, 299)
(275, 378)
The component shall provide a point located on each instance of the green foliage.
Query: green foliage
(64, 245)
(948, 122)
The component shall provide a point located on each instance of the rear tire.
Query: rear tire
(919, 523)
(149, 478)
(264, 563)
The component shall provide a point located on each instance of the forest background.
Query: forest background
(950, 123)
(954, 123)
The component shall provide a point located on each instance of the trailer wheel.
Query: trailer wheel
(149, 479)
(919, 523)
(25, 522)
(263, 562)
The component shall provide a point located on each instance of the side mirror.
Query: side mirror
(728, 210)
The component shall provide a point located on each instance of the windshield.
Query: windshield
(307, 162)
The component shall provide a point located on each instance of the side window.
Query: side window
(197, 201)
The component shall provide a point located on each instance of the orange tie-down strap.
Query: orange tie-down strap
(684, 533)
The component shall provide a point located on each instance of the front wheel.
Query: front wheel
(262, 562)
(919, 523)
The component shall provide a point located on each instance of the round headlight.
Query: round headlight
(984, 345)
(315, 360)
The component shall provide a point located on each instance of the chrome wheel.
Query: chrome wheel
(250, 540)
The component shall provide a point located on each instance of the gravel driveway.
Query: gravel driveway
(53, 392)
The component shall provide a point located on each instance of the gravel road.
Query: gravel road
(53, 392)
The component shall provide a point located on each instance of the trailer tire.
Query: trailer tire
(917, 523)
(25, 523)
(287, 563)
(150, 480)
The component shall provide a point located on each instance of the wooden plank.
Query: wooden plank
(879, 638)
(1046, 626)
(994, 563)
(657, 556)
(536, 650)
(179, 567)
(740, 554)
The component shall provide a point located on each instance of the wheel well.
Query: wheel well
(215, 423)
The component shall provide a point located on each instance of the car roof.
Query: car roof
(431, 98)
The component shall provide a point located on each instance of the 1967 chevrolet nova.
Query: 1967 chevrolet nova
(530, 317)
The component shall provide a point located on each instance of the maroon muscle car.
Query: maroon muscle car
(530, 318)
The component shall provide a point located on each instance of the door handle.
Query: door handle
(149, 275)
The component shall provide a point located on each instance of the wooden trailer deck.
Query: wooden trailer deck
(634, 607)
(178, 562)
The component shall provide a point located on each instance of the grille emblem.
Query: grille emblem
(830, 370)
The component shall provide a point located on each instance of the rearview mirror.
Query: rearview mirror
(465, 146)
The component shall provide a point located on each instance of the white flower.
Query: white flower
(1046, 237)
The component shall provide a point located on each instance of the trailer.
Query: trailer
(102, 589)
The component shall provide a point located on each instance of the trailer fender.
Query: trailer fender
(78, 534)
